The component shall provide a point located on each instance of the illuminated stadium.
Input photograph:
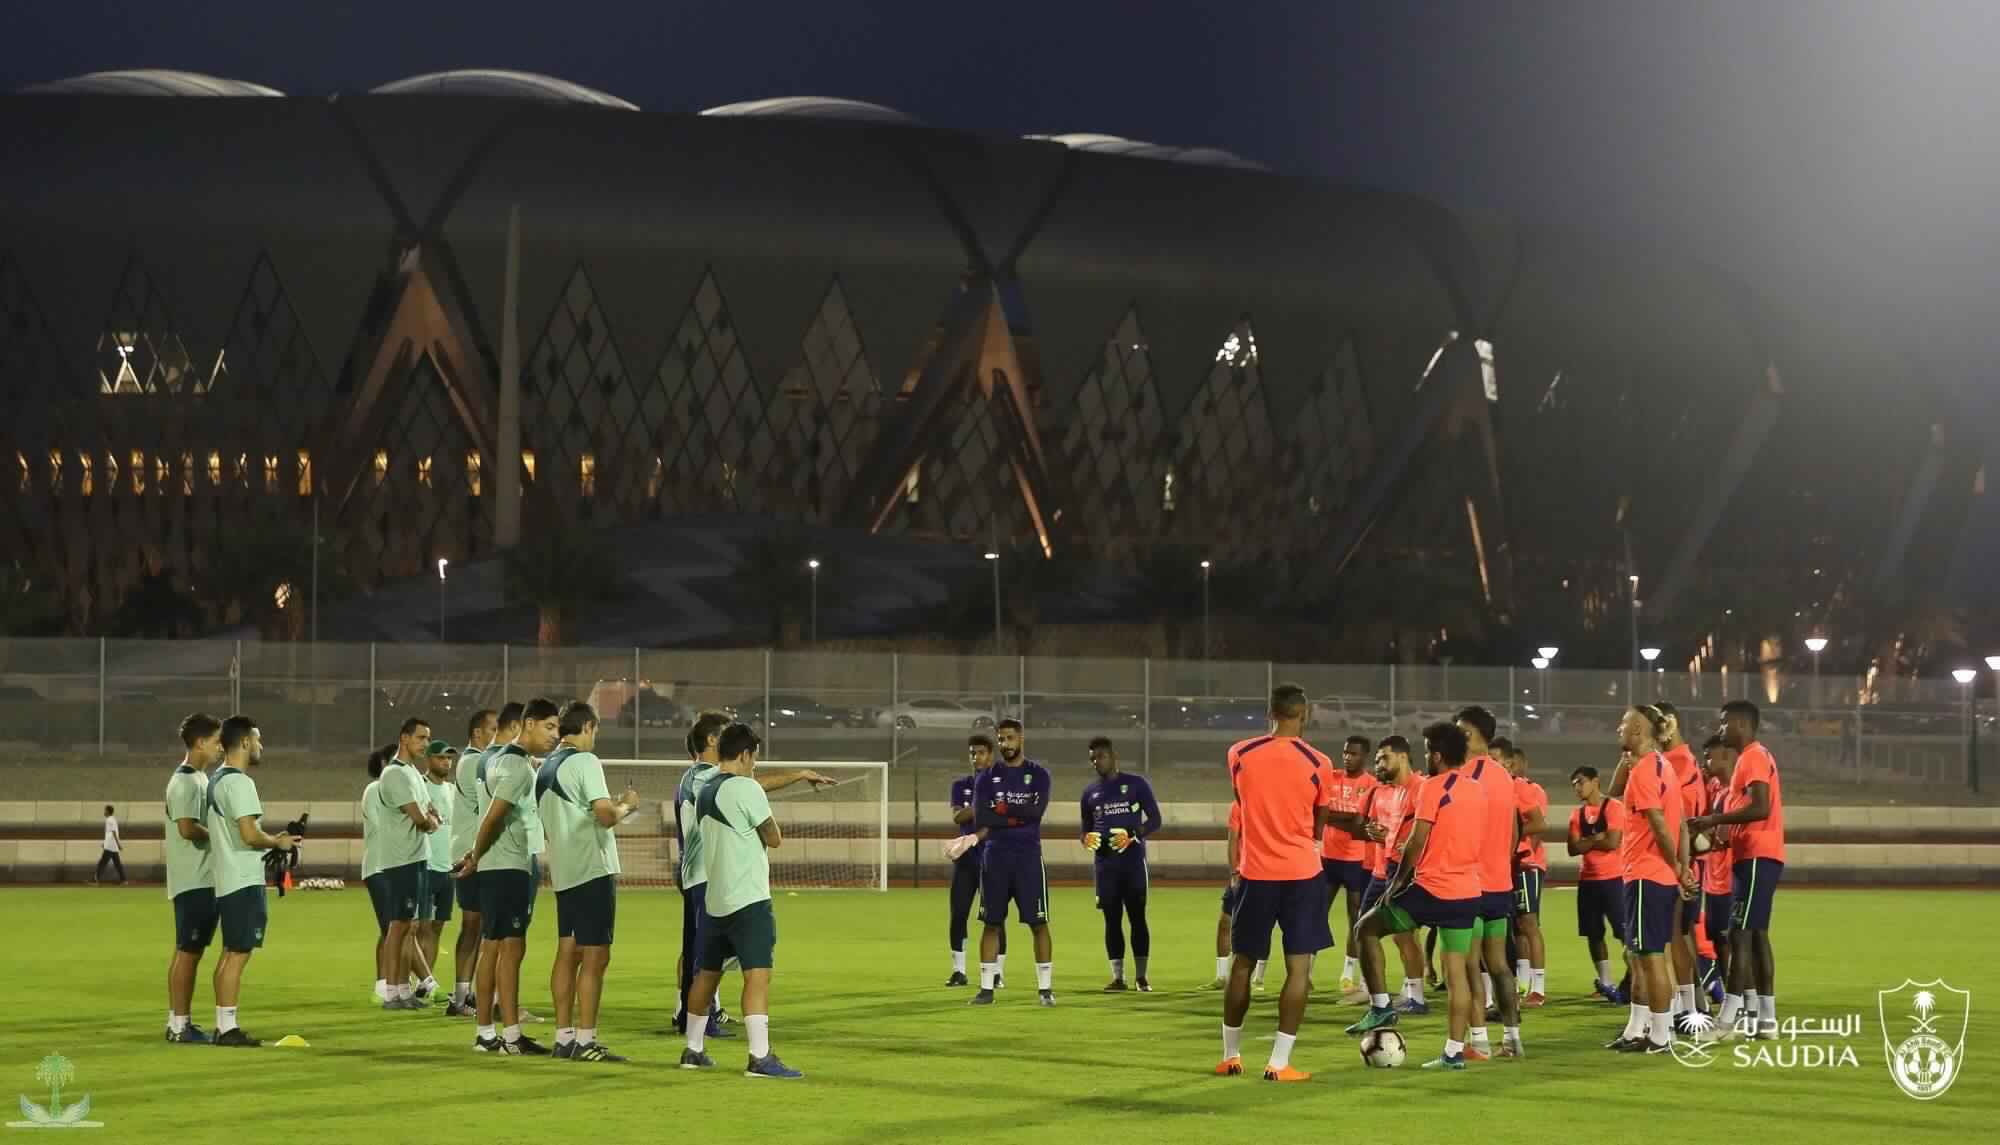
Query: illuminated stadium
(226, 309)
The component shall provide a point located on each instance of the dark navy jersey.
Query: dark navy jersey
(1010, 802)
(1122, 801)
(961, 796)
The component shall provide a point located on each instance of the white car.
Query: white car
(928, 713)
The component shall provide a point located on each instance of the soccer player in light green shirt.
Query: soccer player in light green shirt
(734, 818)
(435, 909)
(577, 815)
(500, 857)
(405, 822)
(237, 843)
(480, 731)
(190, 873)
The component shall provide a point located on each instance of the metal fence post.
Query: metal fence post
(371, 692)
(1270, 678)
(236, 679)
(769, 727)
(638, 705)
(1513, 695)
(506, 684)
(896, 761)
(1392, 697)
(1146, 716)
(100, 695)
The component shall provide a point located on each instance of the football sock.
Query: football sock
(225, 1019)
(486, 1033)
(1222, 966)
(565, 1035)
(1767, 1008)
(382, 989)
(1538, 980)
(759, 1029)
(696, 1035)
(1520, 972)
(510, 1034)
(1731, 1004)
(1139, 960)
(1488, 980)
(1510, 1034)
(1477, 1036)
(1257, 971)
(1351, 969)
(1045, 975)
(1413, 989)
(1232, 1042)
(460, 991)
(585, 1036)
(958, 962)
(1663, 1027)
(1604, 974)
(1635, 1022)
(1379, 1001)
(1281, 1050)
(1117, 971)
(177, 1022)
(986, 972)
(1453, 1049)
(1000, 963)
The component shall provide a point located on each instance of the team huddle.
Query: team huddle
(479, 828)
(1681, 859)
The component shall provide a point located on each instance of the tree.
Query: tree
(264, 577)
(560, 576)
(157, 607)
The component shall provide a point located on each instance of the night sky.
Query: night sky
(1809, 146)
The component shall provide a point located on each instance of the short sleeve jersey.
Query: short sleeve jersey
(232, 795)
(1530, 797)
(444, 801)
(510, 776)
(1280, 782)
(1688, 777)
(962, 797)
(1392, 808)
(399, 842)
(1455, 806)
(1350, 795)
(739, 869)
(189, 866)
(1588, 822)
(694, 861)
(1764, 839)
(580, 849)
(466, 808)
(371, 833)
(1496, 861)
(1716, 875)
(1650, 787)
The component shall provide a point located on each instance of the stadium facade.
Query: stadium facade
(446, 313)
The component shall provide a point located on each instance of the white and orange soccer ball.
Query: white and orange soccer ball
(1383, 1049)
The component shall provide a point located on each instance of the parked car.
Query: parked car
(795, 711)
(934, 713)
(1075, 712)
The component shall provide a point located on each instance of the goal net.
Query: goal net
(835, 836)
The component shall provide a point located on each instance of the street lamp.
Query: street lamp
(812, 566)
(1815, 645)
(1541, 664)
(1547, 652)
(1650, 654)
(442, 562)
(993, 557)
(1204, 615)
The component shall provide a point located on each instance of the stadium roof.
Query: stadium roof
(1139, 149)
(503, 83)
(151, 81)
(815, 107)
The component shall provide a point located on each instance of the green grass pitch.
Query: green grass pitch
(892, 1056)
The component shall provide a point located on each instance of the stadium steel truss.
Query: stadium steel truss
(221, 306)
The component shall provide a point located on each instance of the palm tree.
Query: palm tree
(561, 575)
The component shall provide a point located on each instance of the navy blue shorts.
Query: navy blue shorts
(1650, 910)
(437, 896)
(506, 904)
(468, 892)
(1297, 907)
(1422, 908)
(1600, 901)
(1496, 906)
(1715, 911)
(1372, 893)
(1690, 914)
(1232, 893)
(1343, 875)
(1013, 874)
(1753, 883)
(1528, 891)
(194, 919)
(588, 911)
(243, 918)
(1122, 880)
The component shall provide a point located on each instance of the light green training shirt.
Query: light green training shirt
(466, 808)
(510, 775)
(371, 833)
(402, 843)
(232, 794)
(444, 802)
(579, 850)
(189, 867)
(739, 869)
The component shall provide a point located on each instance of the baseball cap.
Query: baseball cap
(439, 747)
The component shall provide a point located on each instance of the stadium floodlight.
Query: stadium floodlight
(1547, 652)
(1815, 644)
(1541, 663)
(1964, 675)
(1649, 654)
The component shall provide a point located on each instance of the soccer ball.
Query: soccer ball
(1700, 843)
(1383, 1049)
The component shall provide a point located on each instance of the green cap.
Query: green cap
(438, 747)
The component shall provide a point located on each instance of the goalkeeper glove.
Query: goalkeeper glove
(1092, 840)
(1121, 839)
(959, 846)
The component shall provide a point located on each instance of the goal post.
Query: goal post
(836, 837)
